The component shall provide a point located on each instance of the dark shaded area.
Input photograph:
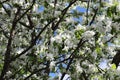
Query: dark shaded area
(116, 59)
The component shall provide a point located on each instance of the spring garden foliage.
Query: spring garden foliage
(34, 43)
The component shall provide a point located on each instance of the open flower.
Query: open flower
(88, 34)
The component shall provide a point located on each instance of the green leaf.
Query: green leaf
(16, 5)
(98, 49)
(113, 66)
(78, 33)
(111, 11)
(46, 3)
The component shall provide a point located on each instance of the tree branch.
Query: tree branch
(7, 53)
(26, 11)
(93, 17)
(63, 14)
(80, 44)
(34, 72)
(8, 13)
(7, 58)
(63, 60)
(84, 75)
(34, 41)
(111, 38)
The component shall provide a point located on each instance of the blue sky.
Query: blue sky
(40, 9)
(81, 9)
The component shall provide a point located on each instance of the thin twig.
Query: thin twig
(36, 71)
(63, 14)
(93, 17)
(80, 44)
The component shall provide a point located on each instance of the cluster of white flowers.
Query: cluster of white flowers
(20, 2)
(104, 25)
(69, 44)
(107, 37)
(88, 34)
(70, 20)
(80, 27)
(116, 25)
(100, 17)
(8, 73)
(35, 8)
(67, 38)
(57, 39)
(92, 68)
(57, 13)
(118, 7)
(110, 50)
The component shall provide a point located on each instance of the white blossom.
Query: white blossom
(67, 55)
(20, 2)
(116, 25)
(50, 56)
(108, 28)
(118, 7)
(66, 48)
(8, 73)
(35, 8)
(110, 50)
(92, 68)
(68, 43)
(80, 27)
(57, 39)
(57, 13)
(52, 64)
(96, 6)
(108, 21)
(107, 37)
(52, 39)
(118, 70)
(101, 17)
(70, 20)
(66, 36)
(94, 54)
(78, 68)
(88, 34)
(51, 4)
(19, 50)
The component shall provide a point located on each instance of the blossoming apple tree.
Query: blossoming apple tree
(34, 43)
